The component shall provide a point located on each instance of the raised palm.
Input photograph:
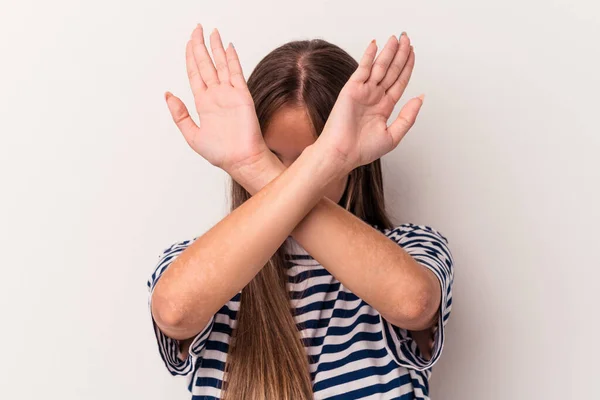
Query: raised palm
(229, 131)
(357, 126)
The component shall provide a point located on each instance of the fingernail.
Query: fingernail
(231, 44)
(403, 33)
(373, 41)
(422, 97)
(167, 95)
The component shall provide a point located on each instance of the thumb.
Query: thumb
(181, 117)
(406, 119)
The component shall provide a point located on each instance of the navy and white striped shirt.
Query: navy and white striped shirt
(355, 353)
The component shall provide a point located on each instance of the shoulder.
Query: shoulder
(166, 257)
(426, 244)
(409, 231)
(176, 246)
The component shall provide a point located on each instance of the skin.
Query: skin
(295, 192)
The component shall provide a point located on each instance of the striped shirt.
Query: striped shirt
(354, 352)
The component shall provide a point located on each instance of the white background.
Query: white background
(97, 181)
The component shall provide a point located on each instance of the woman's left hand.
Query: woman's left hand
(356, 130)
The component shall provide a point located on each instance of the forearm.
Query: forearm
(370, 265)
(218, 264)
(367, 262)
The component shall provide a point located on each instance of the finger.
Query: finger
(181, 117)
(383, 61)
(397, 89)
(218, 52)
(236, 74)
(193, 74)
(406, 119)
(398, 62)
(364, 67)
(203, 61)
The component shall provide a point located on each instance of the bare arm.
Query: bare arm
(373, 267)
(218, 264)
(211, 270)
(367, 262)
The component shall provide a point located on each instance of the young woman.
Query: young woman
(306, 289)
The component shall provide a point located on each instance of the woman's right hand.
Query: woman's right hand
(229, 135)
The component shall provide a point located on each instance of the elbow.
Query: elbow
(419, 311)
(164, 312)
(424, 313)
(176, 325)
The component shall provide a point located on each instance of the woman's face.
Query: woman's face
(289, 132)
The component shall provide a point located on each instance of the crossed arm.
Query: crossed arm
(210, 271)
(387, 277)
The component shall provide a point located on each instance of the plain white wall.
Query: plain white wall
(97, 181)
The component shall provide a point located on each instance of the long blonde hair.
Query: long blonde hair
(266, 358)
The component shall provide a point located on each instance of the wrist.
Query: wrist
(326, 165)
(257, 174)
(332, 164)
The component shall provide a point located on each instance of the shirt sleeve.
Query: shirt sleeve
(168, 347)
(430, 248)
